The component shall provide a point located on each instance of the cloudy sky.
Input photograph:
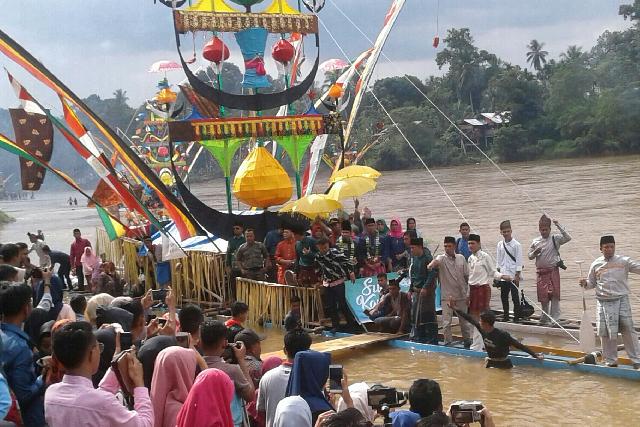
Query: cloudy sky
(98, 46)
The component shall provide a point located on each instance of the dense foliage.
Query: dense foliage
(586, 103)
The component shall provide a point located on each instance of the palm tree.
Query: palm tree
(536, 56)
(120, 97)
(573, 54)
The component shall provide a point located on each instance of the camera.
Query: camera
(560, 264)
(466, 411)
(158, 294)
(379, 396)
(229, 355)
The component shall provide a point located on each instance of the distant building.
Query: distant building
(481, 129)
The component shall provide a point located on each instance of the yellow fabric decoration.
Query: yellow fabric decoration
(219, 6)
(261, 181)
(281, 6)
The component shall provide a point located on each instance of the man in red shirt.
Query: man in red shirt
(286, 254)
(75, 253)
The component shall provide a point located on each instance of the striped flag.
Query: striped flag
(113, 228)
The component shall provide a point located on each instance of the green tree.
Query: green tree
(536, 56)
(573, 54)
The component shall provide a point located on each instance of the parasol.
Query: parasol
(354, 171)
(333, 65)
(351, 187)
(312, 206)
(164, 66)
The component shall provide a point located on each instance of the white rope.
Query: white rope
(524, 192)
(546, 314)
(396, 125)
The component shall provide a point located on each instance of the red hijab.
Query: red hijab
(398, 233)
(209, 401)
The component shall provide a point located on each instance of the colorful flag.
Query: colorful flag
(113, 228)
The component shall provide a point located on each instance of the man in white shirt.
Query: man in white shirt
(37, 246)
(509, 262)
(545, 250)
(482, 271)
(273, 385)
(609, 276)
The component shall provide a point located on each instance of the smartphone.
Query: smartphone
(335, 378)
(126, 340)
(150, 317)
(183, 339)
(162, 321)
(158, 294)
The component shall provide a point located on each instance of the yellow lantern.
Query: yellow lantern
(166, 96)
(261, 181)
(335, 91)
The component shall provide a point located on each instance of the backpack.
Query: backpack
(526, 309)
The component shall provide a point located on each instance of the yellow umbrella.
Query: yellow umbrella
(351, 187)
(354, 170)
(312, 205)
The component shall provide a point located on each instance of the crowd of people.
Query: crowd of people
(100, 357)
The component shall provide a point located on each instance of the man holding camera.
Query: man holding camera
(609, 276)
(545, 250)
(213, 336)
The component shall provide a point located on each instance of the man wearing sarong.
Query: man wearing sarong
(423, 295)
(371, 255)
(453, 272)
(545, 250)
(609, 276)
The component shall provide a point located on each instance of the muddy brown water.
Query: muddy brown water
(588, 196)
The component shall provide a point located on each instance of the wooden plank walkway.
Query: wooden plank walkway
(344, 343)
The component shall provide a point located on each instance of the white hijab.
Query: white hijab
(292, 411)
(358, 392)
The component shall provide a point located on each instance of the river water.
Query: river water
(589, 197)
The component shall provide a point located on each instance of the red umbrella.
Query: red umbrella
(164, 66)
(333, 65)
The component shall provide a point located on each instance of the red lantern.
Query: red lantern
(436, 41)
(163, 151)
(215, 51)
(283, 51)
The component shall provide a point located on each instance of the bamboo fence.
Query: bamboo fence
(199, 278)
(270, 301)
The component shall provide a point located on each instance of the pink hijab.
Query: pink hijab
(209, 401)
(398, 233)
(270, 363)
(174, 373)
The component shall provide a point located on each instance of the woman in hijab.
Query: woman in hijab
(358, 393)
(175, 370)
(56, 370)
(308, 377)
(383, 230)
(148, 353)
(411, 226)
(209, 401)
(90, 261)
(292, 411)
(394, 245)
(268, 364)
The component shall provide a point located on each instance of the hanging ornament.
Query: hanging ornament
(335, 91)
(436, 41)
(282, 51)
(215, 51)
(261, 181)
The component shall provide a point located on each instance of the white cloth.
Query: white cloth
(272, 389)
(292, 411)
(610, 278)
(37, 247)
(553, 308)
(358, 392)
(504, 263)
(46, 302)
(482, 270)
(548, 256)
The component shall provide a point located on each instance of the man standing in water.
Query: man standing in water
(75, 253)
(548, 263)
(509, 262)
(609, 275)
(462, 243)
(423, 289)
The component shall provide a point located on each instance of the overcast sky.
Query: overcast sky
(98, 46)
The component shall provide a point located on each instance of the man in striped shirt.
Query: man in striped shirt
(333, 269)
